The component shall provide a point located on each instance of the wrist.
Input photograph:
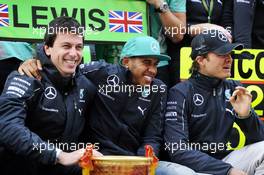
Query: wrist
(162, 7)
(244, 116)
(58, 154)
(158, 3)
(229, 171)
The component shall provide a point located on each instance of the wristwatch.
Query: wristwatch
(162, 8)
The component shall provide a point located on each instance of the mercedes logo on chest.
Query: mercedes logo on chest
(50, 92)
(198, 99)
(112, 80)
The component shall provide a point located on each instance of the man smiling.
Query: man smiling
(37, 116)
(124, 121)
(128, 111)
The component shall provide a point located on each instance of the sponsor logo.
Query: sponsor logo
(81, 93)
(50, 92)
(112, 80)
(142, 110)
(198, 99)
(227, 94)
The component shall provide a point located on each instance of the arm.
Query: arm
(252, 127)
(172, 21)
(32, 68)
(243, 22)
(154, 124)
(177, 134)
(19, 93)
(227, 15)
(246, 118)
(94, 69)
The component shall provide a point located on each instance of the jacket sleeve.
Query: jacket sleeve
(14, 135)
(94, 70)
(243, 21)
(177, 138)
(252, 127)
(227, 15)
(154, 125)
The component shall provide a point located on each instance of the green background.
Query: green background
(25, 16)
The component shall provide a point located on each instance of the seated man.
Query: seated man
(209, 124)
(128, 111)
(40, 120)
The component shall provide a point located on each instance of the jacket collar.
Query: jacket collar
(205, 82)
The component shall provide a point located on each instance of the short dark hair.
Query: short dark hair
(194, 68)
(62, 24)
(195, 65)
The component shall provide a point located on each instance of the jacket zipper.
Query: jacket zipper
(214, 92)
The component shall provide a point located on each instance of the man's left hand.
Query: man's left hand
(241, 101)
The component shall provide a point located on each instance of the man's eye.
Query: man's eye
(147, 62)
(66, 46)
(79, 47)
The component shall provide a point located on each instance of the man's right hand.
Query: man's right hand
(72, 158)
(97, 153)
(31, 68)
(235, 171)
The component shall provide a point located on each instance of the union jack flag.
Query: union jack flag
(126, 22)
(4, 20)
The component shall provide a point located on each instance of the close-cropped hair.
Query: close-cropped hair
(61, 25)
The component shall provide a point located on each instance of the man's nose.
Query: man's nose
(73, 52)
(228, 58)
(153, 69)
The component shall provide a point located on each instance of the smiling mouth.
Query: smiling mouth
(148, 78)
(71, 61)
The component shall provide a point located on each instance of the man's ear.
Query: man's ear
(47, 50)
(125, 61)
(200, 60)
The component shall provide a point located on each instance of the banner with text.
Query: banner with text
(111, 20)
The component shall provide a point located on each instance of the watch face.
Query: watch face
(164, 7)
